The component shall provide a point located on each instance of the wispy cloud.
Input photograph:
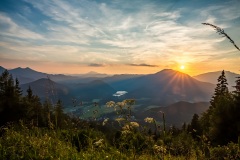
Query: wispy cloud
(96, 65)
(142, 65)
(137, 33)
(9, 28)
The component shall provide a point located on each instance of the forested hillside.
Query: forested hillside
(34, 130)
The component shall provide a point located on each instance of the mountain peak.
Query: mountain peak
(169, 71)
(27, 68)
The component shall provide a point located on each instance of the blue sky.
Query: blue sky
(119, 36)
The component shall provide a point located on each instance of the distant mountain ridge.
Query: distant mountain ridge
(27, 75)
(212, 77)
(165, 87)
(162, 88)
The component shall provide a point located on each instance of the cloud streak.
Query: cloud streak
(136, 33)
(96, 65)
(143, 65)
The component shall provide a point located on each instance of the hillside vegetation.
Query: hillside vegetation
(31, 129)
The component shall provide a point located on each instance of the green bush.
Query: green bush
(182, 145)
(28, 144)
(229, 152)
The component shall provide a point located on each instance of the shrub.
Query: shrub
(28, 144)
(182, 145)
(231, 151)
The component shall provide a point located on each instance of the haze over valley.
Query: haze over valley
(165, 90)
(86, 52)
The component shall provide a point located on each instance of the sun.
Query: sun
(182, 67)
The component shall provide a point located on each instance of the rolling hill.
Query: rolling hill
(212, 77)
(176, 113)
(48, 89)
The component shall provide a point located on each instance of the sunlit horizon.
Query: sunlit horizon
(119, 37)
(179, 69)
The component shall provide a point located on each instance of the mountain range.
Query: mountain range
(166, 87)
(175, 93)
(27, 75)
(162, 88)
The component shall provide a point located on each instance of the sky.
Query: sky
(119, 36)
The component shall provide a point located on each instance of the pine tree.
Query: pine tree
(33, 107)
(221, 88)
(237, 92)
(218, 122)
(29, 93)
(59, 115)
(10, 106)
(236, 109)
(195, 127)
(18, 91)
(47, 113)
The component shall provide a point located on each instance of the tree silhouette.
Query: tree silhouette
(220, 121)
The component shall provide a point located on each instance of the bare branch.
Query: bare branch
(221, 32)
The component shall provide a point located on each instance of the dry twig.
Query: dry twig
(221, 32)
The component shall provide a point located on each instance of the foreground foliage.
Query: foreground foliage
(20, 141)
(34, 130)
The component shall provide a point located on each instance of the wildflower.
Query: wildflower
(159, 149)
(120, 104)
(120, 119)
(149, 120)
(130, 126)
(105, 121)
(134, 124)
(126, 132)
(126, 127)
(110, 104)
(129, 101)
(99, 143)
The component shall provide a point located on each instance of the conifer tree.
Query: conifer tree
(29, 93)
(10, 107)
(33, 107)
(195, 127)
(237, 92)
(59, 115)
(47, 113)
(18, 91)
(218, 121)
(220, 90)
